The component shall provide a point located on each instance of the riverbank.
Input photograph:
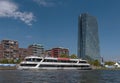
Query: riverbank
(8, 68)
(104, 68)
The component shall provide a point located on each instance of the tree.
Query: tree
(11, 61)
(73, 56)
(64, 56)
(109, 63)
(4, 61)
(94, 62)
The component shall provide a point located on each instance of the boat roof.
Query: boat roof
(59, 58)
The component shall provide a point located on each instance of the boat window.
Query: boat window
(31, 65)
(28, 59)
(82, 62)
(33, 60)
(47, 65)
(38, 60)
(64, 61)
(49, 60)
(84, 66)
(44, 65)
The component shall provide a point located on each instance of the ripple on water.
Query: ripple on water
(59, 76)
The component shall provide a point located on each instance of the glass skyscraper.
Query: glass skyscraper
(88, 40)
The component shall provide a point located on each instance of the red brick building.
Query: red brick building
(57, 52)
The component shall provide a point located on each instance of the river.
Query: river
(59, 76)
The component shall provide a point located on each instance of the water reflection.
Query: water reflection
(90, 77)
(9, 76)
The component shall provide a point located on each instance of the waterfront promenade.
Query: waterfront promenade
(8, 66)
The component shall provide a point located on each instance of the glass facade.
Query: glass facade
(88, 40)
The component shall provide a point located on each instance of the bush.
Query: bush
(94, 63)
(73, 56)
(109, 63)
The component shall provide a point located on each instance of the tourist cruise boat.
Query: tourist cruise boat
(34, 62)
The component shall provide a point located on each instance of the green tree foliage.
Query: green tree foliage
(73, 56)
(64, 56)
(11, 61)
(94, 63)
(4, 61)
(109, 63)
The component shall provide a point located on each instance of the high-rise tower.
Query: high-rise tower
(88, 40)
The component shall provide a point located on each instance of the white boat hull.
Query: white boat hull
(54, 64)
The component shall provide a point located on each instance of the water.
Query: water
(60, 76)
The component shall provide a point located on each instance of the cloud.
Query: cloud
(10, 9)
(45, 3)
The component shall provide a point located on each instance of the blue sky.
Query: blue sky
(54, 23)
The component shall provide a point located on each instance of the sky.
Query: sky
(54, 23)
